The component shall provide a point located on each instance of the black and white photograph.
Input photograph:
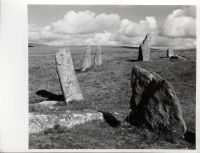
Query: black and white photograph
(112, 76)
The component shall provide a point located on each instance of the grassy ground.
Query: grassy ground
(109, 90)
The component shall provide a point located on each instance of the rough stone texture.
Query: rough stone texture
(68, 80)
(69, 119)
(87, 62)
(144, 49)
(154, 104)
(97, 57)
(170, 52)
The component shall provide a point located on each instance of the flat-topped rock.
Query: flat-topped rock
(41, 122)
(154, 104)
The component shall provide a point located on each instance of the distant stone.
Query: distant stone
(87, 62)
(154, 104)
(144, 49)
(40, 122)
(68, 80)
(98, 59)
(170, 52)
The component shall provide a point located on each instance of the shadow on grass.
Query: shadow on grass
(132, 60)
(110, 119)
(50, 95)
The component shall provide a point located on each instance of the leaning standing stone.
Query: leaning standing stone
(170, 52)
(154, 104)
(144, 49)
(87, 62)
(68, 80)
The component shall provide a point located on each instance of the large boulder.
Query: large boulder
(154, 104)
(67, 77)
(41, 122)
(144, 49)
(87, 62)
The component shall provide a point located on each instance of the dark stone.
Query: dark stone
(154, 104)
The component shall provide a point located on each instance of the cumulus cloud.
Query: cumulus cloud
(86, 22)
(132, 29)
(85, 27)
(180, 23)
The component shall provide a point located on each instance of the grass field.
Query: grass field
(109, 90)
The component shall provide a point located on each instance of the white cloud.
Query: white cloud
(86, 22)
(180, 23)
(132, 29)
(85, 27)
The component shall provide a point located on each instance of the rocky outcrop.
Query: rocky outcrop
(154, 104)
(40, 122)
(144, 49)
(68, 80)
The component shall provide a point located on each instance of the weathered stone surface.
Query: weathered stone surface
(144, 49)
(87, 62)
(97, 57)
(154, 104)
(69, 119)
(170, 52)
(68, 80)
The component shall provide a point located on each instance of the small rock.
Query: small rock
(48, 103)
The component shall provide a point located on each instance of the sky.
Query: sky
(60, 25)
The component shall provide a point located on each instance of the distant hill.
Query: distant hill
(32, 44)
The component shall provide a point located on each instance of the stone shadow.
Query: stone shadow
(50, 95)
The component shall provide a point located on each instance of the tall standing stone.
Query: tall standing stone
(154, 104)
(170, 52)
(68, 80)
(87, 62)
(144, 49)
(97, 57)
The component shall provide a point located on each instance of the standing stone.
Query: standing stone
(144, 49)
(87, 62)
(97, 58)
(68, 80)
(154, 104)
(170, 52)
